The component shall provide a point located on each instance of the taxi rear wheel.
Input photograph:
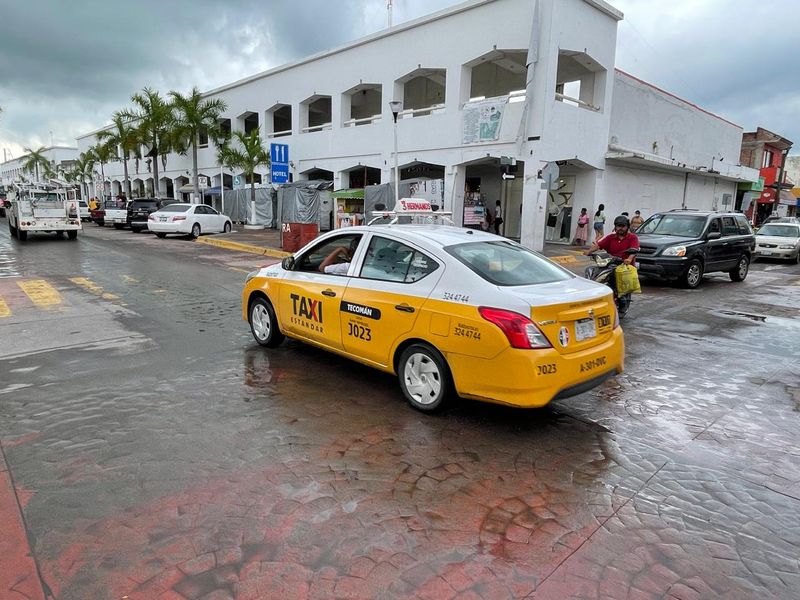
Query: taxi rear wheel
(424, 377)
(263, 323)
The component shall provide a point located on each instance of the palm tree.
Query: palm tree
(122, 136)
(194, 116)
(248, 156)
(102, 153)
(34, 160)
(84, 169)
(154, 116)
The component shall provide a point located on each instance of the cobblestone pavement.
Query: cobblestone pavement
(156, 452)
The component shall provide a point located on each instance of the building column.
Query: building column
(534, 212)
(455, 179)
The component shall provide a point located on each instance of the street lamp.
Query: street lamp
(396, 106)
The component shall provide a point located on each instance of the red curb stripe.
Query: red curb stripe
(19, 577)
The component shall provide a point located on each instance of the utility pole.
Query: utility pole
(389, 9)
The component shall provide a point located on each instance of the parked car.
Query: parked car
(83, 210)
(683, 245)
(778, 240)
(140, 209)
(99, 215)
(440, 305)
(187, 219)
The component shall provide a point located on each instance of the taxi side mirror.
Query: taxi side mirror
(713, 235)
(288, 263)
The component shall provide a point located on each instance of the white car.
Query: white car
(187, 219)
(778, 240)
(83, 209)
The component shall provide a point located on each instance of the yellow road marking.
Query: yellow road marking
(93, 288)
(238, 269)
(40, 292)
(563, 259)
(129, 279)
(4, 310)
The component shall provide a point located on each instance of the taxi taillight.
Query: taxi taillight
(520, 331)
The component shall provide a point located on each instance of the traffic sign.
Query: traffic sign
(202, 182)
(279, 163)
(550, 174)
(237, 181)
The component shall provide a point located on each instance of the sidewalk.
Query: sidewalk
(267, 242)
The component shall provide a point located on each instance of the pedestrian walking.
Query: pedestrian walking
(637, 221)
(498, 217)
(599, 222)
(582, 230)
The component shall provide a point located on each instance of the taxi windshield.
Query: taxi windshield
(503, 263)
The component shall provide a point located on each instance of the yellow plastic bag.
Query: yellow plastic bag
(627, 280)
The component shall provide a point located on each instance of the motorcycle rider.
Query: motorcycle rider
(623, 244)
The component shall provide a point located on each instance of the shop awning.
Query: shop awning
(787, 198)
(215, 191)
(355, 193)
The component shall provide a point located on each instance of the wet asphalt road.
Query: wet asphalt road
(157, 452)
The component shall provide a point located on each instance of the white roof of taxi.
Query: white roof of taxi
(430, 235)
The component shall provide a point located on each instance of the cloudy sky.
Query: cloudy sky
(66, 65)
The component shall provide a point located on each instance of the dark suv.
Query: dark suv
(682, 245)
(140, 208)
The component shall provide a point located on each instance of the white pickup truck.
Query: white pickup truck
(116, 213)
(42, 208)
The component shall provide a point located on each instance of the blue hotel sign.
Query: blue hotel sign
(279, 162)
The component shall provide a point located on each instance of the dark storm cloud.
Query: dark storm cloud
(736, 59)
(65, 66)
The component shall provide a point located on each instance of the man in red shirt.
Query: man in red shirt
(620, 243)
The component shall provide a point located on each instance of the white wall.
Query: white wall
(646, 119)
(629, 189)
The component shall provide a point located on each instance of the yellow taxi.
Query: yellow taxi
(446, 309)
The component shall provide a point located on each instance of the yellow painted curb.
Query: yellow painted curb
(239, 247)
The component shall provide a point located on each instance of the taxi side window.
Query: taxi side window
(729, 226)
(388, 260)
(311, 260)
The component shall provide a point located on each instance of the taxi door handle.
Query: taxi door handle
(405, 308)
(330, 293)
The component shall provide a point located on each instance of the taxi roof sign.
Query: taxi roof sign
(413, 204)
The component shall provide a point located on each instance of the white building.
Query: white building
(60, 157)
(525, 81)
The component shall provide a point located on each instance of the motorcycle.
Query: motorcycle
(603, 272)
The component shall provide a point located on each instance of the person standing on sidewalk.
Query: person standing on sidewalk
(599, 222)
(582, 230)
(498, 217)
(637, 221)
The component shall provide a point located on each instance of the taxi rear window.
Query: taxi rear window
(503, 263)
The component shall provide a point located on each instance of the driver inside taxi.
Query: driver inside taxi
(338, 261)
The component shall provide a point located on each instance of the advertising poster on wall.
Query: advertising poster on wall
(481, 120)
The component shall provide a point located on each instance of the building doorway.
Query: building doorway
(560, 201)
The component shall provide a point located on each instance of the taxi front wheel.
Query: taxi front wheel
(263, 323)
(424, 377)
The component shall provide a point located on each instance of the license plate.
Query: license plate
(162, 219)
(585, 329)
(765, 252)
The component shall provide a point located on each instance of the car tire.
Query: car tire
(22, 235)
(195, 231)
(263, 324)
(72, 235)
(742, 267)
(424, 378)
(161, 235)
(227, 227)
(693, 274)
(118, 225)
(136, 230)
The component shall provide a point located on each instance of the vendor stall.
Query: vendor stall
(348, 207)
